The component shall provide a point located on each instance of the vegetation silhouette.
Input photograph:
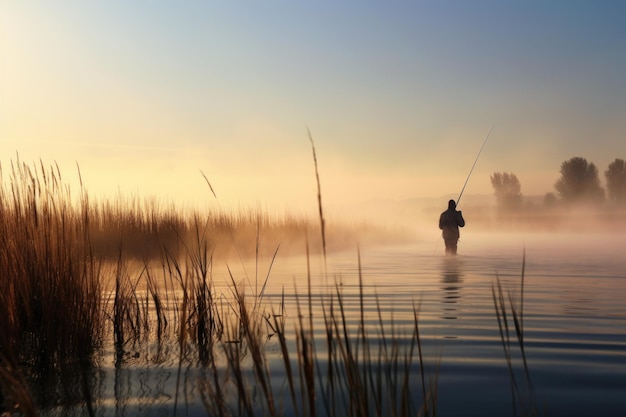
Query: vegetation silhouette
(508, 190)
(578, 202)
(579, 182)
(68, 301)
(616, 181)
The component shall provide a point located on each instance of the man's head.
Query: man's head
(451, 204)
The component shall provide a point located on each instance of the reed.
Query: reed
(79, 274)
(511, 327)
(51, 282)
(129, 321)
(355, 378)
(319, 197)
(355, 370)
(147, 226)
(15, 395)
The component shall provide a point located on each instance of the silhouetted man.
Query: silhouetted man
(449, 222)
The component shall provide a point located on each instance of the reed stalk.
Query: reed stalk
(55, 254)
(511, 328)
(319, 197)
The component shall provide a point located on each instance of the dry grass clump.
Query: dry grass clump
(142, 229)
(78, 275)
(51, 292)
(353, 370)
(137, 228)
(511, 327)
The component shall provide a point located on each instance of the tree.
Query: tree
(579, 181)
(549, 200)
(507, 189)
(616, 180)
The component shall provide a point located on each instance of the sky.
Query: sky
(146, 97)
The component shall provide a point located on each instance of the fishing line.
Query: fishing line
(470, 174)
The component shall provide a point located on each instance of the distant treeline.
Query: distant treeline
(578, 184)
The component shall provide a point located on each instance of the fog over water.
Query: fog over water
(213, 108)
(574, 322)
(574, 314)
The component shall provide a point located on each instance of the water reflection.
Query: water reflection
(575, 317)
(144, 379)
(451, 279)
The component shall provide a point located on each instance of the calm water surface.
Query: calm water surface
(574, 315)
(574, 318)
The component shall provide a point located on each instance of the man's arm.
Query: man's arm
(460, 220)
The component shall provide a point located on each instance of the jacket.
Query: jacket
(449, 222)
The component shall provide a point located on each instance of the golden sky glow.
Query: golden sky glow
(398, 99)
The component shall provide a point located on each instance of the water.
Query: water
(574, 320)
(573, 308)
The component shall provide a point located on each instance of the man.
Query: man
(449, 222)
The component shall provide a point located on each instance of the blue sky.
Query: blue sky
(398, 96)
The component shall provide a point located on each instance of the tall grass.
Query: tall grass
(319, 197)
(51, 283)
(356, 370)
(80, 277)
(356, 376)
(510, 318)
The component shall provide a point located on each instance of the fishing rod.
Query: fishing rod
(470, 173)
(476, 160)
